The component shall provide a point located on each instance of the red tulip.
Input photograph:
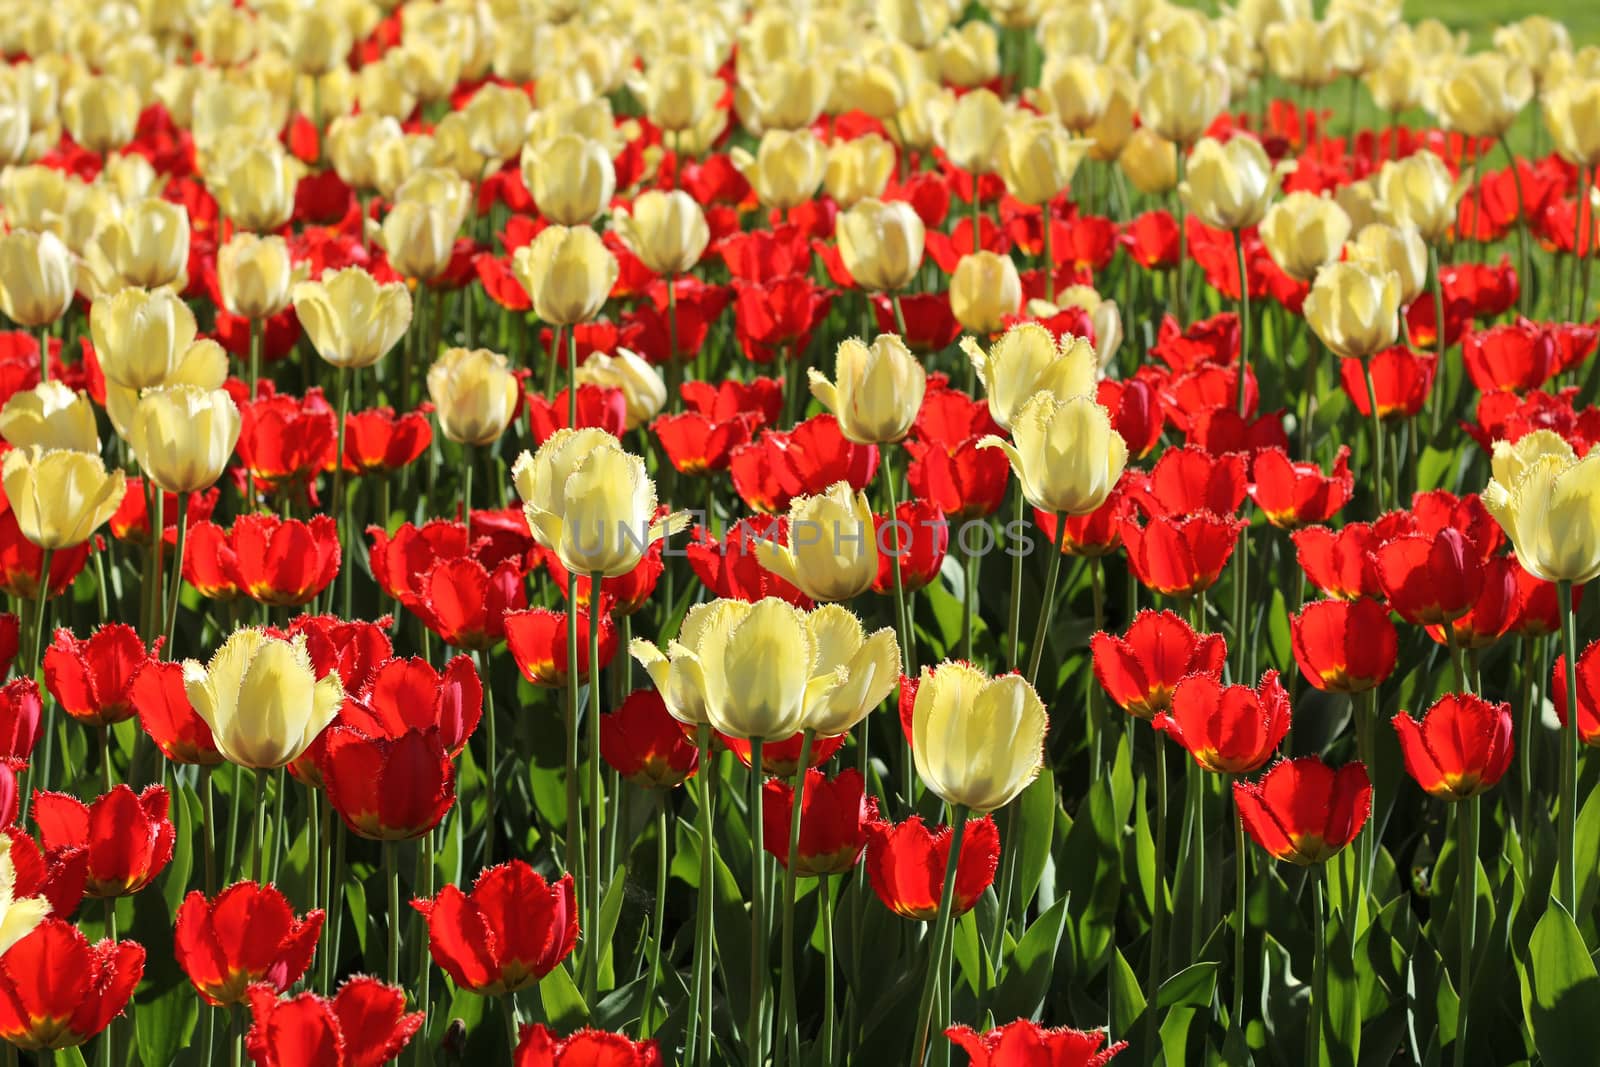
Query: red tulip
(1189, 479)
(650, 325)
(906, 863)
(58, 874)
(20, 712)
(1510, 358)
(376, 441)
(22, 561)
(1136, 413)
(1492, 614)
(1027, 1044)
(1180, 557)
(353, 650)
(1227, 729)
(209, 562)
(1208, 387)
(1141, 669)
(780, 465)
(537, 639)
(1588, 692)
(1304, 811)
(1538, 609)
(58, 991)
(91, 679)
(364, 1025)
(782, 758)
(1099, 533)
(1438, 510)
(766, 255)
(643, 742)
(460, 592)
(1339, 563)
(1294, 494)
(729, 568)
(168, 718)
(834, 818)
(760, 398)
(408, 694)
(947, 466)
(623, 595)
(1461, 748)
(1225, 430)
(1506, 417)
(10, 639)
(388, 789)
(1214, 341)
(131, 520)
(778, 315)
(1401, 380)
(508, 933)
(285, 562)
(695, 444)
(127, 834)
(249, 934)
(1429, 580)
(919, 536)
(931, 324)
(1152, 240)
(285, 441)
(540, 1047)
(10, 793)
(598, 406)
(1344, 646)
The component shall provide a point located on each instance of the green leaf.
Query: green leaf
(967, 951)
(1278, 629)
(563, 1004)
(1560, 991)
(1127, 1001)
(175, 883)
(165, 1023)
(1586, 851)
(1035, 830)
(610, 910)
(1026, 980)
(1191, 987)
(69, 1057)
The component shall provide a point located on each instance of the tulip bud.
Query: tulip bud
(1066, 455)
(203, 364)
(35, 278)
(1027, 360)
(147, 245)
(14, 131)
(1396, 82)
(1304, 231)
(1077, 89)
(969, 54)
(640, 384)
(225, 35)
(873, 88)
(832, 552)
(34, 197)
(1394, 248)
(568, 273)
(1037, 158)
(571, 179)
(1536, 42)
(497, 120)
(255, 275)
(1150, 161)
(881, 244)
(1572, 115)
(1548, 502)
(50, 416)
(912, 21)
(1482, 94)
(968, 129)
(786, 169)
(140, 337)
(786, 95)
(352, 146)
(984, 291)
(474, 394)
(977, 741)
(666, 230)
(591, 502)
(262, 699)
(876, 392)
(255, 187)
(1179, 99)
(858, 169)
(1297, 53)
(1354, 308)
(1110, 132)
(675, 93)
(1355, 38)
(101, 114)
(317, 39)
(60, 497)
(419, 239)
(183, 436)
(350, 319)
(1228, 184)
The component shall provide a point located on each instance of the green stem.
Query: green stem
(829, 903)
(908, 652)
(1568, 881)
(509, 1003)
(1008, 875)
(1036, 654)
(391, 876)
(1524, 265)
(255, 355)
(107, 779)
(660, 929)
(705, 933)
(1196, 787)
(674, 364)
(1241, 602)
(969, 577)
(1436, 399)
(591, 970)
(1244, 318)
(1019, 515)
(1183, 243)
(1377, 438)
(574, 842)
(1241, 912)
(208, 815)
(1467, 894)
(1530, 655)
(1049, 255)
(1319, 970)
(936, 978)
(899, 315)
(572, 377)
(1158, 912)
(491, 760)
(788, 1037)
(260, 777)
(43, 333)
(177, 570)
(1093, 701)
(1366, 722)
(346, 572)
(755, 1050)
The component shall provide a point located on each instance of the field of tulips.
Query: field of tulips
(883, 532)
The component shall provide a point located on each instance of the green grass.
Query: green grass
(1480, 17)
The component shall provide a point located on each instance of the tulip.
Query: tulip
(1027, 1042)
(1077, 89)
(92, 679)
(1303, 232)
(255, 185)
(1037, 158)
(20, 912)
(388, 789)
(969, 128)
(644, 394)
(1344, 646)
(128, 835)
(1398, 248)
(536, 640)
(881, 244)
(183, 436)
(1065, 454)
(419, 239)
(1228, 184)
(787, 168)
(666, 230)
(582, 484)
(460, 591)
(985, 291)
(1179, 98)
(255, 275)
(1461, 748)
(351, 145)
(58, 991)
(401, 695)
(141, 338)
(1354, 308)
(531, 925)
(1027, 360)
(876, 392)
(281, 562)
(59, 497)
(1150, 161)
(858, 169)
(352, 320)
(1304, 811)
(835, 818)
(50, 416)
(571, 178)
(1481, 95)
(1141, 670)
(1572, 115)
(1297, 52)
(1180, 556)
(1419, 191)
(380, 441)
(20, 719)
(1189, 479)
(146, 246)
(977, 742)
(539, 1046)
(1231, 729)
(914, 541)
(643, 742)
(35, 278)
(675, 93)
(474, 394)
(832, 554)
(13, 134)
(1396, 82)
(261, 698)
(905, 861)
(101, 113)
(1429, 580)
(1548, 502)
(365, 1023)
(247, 935)
(568, 273)
(1293, 494)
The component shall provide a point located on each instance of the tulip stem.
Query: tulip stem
(491, 761)
(1524, 265)
(1018, 523)
(177, 568)
(340, 511)
(260, 777)
(1244, 319)
(1158, 911)
(908, 651)
(1366, 719)
(574, 843)
(572, 377)
(107, 779)
(1036, 654)
(255, 355)
(941, 931)
(1436, 397)
(1530, 653)
(829, 903)
(704, 942)
(788, 1023)
(44, 352)
(674, 365)
(1195, 864)
(1319, 969)
(509, 1002)
(391, 876)
(208, 814)
(1241, 911)
(591, 970)
(899, 315)
(1569, 751)
(660, 928)
(755, 1052)
(1049, 253)
(1377, 437)
(1467, 917)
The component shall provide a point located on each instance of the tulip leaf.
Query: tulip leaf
(563, 1004)
(1587, 853)
(1191, 987)
(610, 911)
(164, 1024)
(1560, 990)
(185, 818)
(69, 1057)
(1025, 980)
(968, 952)
(1034, 832)
(1127, 1000)
(1278, 634)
